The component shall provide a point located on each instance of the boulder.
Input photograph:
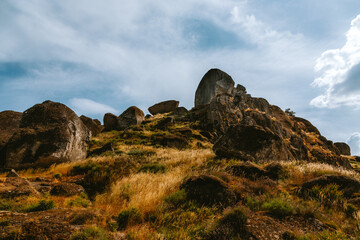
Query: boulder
(343, 148)
(49, 133)
(180, 111)
(9, 124)
(92, 125)
(164, 107)
(213, 83)
(348, 185)
(15, 186)
(131, 116)
(110, 122)
(66, 189)
(251, 143)
(208, 190)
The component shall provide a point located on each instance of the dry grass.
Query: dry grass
(303, 171)
(146, 190)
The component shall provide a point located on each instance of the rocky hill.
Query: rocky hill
(232, 167)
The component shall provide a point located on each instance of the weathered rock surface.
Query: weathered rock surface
(110, 122)
(131, 116)
(209, 190)
(213, 83)
(343, 148)
(249, 128)
(164, 107)
(92, 125)
(49, 133)
(348, 185)
(9, 123)
(15, 186)
(66, 189)
(180, 111)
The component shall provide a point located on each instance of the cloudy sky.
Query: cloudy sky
(104, 56)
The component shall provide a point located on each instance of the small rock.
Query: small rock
(180, 111)
(12, 173)
(247, 170)
(66, 189)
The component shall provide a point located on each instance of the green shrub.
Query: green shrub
(57, 175)
(278, 207)
(231, 225)
(128, 217)
(176, 199)
(80, 201)
(90, 233)
(326, 235)
(41, 205)
(81, 218)
(153, 168)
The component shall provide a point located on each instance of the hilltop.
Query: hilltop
(232, 167)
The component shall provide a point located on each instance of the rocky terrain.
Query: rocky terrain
(232, 167)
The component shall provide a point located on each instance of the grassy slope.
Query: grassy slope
(140, 181)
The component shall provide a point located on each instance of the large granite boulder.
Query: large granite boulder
(213, 83)
(92, 125)
(253, 143)
(343, 148)
(110, 122)
(9, 123)
(49, 133)
(164, 107)
(131, 116)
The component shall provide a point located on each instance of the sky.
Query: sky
(104, 56)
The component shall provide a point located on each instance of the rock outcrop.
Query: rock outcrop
(94, 126)
(214, 82)
(343, 148)
(49, 133)
(164, 107)
(249, 128)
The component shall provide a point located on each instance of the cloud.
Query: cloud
(339, 71)
(354, 143)
(84, 106)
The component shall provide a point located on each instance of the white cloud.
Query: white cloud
(354, 143)
(339, 74)
(84, 106)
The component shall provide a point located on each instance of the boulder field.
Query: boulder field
(240, 126)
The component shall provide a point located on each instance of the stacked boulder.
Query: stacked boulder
(131, 116)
